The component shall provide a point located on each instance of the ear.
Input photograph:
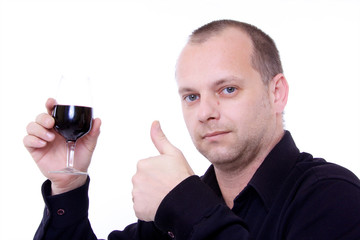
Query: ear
(279, 90)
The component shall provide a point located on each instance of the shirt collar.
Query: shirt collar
(210, 179)
(269, 177)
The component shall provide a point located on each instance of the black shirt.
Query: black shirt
(291, 196)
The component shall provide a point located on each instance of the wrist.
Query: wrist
(73, 206)
(68, 185)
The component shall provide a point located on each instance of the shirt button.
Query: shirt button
(60, 212)
(171, 234)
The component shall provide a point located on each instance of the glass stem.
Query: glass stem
(70, 153)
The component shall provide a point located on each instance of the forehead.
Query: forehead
(227, 53)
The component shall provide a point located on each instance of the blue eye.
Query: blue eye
(229, 90)
(191, 98)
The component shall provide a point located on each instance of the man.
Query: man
(259, 185)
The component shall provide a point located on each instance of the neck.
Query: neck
(231, 183)
(233, 179)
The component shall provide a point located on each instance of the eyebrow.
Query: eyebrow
(229, 79)
(217, 83)
(185, 90)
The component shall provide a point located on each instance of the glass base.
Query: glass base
(70, 171)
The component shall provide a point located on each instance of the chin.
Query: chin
(220, 157)
(225, 158)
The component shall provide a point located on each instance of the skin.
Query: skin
(233, 119)
(47, 148)
(157, 176)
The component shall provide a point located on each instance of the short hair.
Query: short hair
(265, 57)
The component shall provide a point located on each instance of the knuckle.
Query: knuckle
(31, 142)
(45, 120)
(140, 164)
(36, 130)
(138, 211)
(134, 196)
(29, 127)
(144, 164)
(26, 140)
(136, 181)
(39, 118)
(177, 152)
(133, 181)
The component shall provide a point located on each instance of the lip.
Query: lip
(215, 134)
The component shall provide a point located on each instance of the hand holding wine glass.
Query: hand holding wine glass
(73, 116)
(47, 147)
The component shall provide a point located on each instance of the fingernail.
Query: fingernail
(49, 121)
(50, 135)
(42, 142)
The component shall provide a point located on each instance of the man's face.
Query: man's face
(226, 106)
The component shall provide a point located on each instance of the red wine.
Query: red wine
(72, 122)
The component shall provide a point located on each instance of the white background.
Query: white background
(129, 48)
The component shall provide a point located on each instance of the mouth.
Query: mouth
(215, 134)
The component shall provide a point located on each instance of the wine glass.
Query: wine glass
(73, 115)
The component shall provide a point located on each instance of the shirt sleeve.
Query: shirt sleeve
(65, 215)
(66, 218)
(193, 211)
(326, 206)
(185, 213)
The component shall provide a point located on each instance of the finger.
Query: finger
(31, 142)
(45, 120)
(159, 139)
(36, 130)
(90, 139)
(95, 128)
(50, 104)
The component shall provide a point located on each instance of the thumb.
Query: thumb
(90, 139)
(95, 128)
(159, 139)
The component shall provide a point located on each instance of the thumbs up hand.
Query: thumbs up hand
(157, 176)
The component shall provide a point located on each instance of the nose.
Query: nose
(208, 109)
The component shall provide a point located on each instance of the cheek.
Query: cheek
(189, 119)
(236, 112)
